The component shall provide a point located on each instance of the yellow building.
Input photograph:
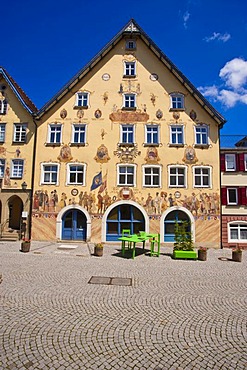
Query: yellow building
(17, 136)
(130, 143)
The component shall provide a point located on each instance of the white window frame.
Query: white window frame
(17, 168)
(151, 175)
(43, 172)
(201, 175)
(129, 69)
(82, 130)
(176, 133)
(237, 226)
(177, 176)
(201, 134)
(151, 133)
(127, 100)
(50, 132)
(233, 161)
(128, 132)
(69, 165)
(3, 106)
(126, 174)
(2, 132)
(2, 167)
(82, 99)
(245, 162)
(20, 133)
(177, 99)
(228, 200)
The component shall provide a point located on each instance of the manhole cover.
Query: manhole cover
(110, 280)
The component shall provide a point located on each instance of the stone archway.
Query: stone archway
(15, 208)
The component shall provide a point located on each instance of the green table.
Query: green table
(133, 239)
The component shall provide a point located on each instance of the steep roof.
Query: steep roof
(133, 29)
(20, 94)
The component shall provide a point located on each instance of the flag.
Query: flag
(97, 181)
(103, 184)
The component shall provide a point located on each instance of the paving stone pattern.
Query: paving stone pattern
(176, 314)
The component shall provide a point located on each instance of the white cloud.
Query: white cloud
(218, 36)
(234, 84)
(186, 17)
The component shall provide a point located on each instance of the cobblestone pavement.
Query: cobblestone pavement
(175, 315)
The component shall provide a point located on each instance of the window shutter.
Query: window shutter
(241, 166)
(239, 196)
(224, 196)
(237, 162)
(243, 199)
(222, 163)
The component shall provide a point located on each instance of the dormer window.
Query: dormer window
(3, 106)
(129, 69)
(130, 44)
(82, 100)
(177, 101)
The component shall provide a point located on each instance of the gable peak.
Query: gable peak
(132, 27)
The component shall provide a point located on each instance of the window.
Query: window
(177, 135)
(2, 133)
(126, 175)
(230, 162)
(202, 177)
(151, 176)
(201, 135)
(76, 174)
(3, 106)
(50, 174)
(2, 166)
(129, 101)
(237, 232)
(82, 99)
(79, 134)
(232, 196)
(20, 132)
(17, 168)
(177, 177)
(152, 134)
(55, 133)
(177, 101)
(129, 69)
(127, 134)
(130, 44)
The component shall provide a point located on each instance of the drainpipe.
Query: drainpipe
(221, 246)
(32, 182)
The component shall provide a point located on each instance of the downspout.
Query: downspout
(32, 182)
(221, 246)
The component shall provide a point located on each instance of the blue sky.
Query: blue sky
(45, 43)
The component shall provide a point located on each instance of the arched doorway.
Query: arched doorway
(171, 217)
(124, 216)
(74, 225)
(15, 205)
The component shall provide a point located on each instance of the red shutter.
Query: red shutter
(239, 196)
(241, 166)
(237, 162)
(222, 163)
(243, 196)
(224, 196)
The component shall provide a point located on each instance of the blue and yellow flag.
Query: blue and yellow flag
(97, 181)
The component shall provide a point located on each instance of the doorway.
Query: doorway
(74, 225)
(15, 205)
(173, 217)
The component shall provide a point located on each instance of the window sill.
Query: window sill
(150, 144)
(177, 109)
(18, 142)
(53, 144)
(129, 76)
(126, 144)
(77, 144)
(129, 108)
(80, 107)
(176, 145)
(201, 146)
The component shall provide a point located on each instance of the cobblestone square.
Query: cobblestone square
(175, 315)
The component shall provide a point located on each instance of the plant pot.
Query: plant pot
(237, 256)
(202, 255)
(98, 251)
(184, 254)
(25, 247)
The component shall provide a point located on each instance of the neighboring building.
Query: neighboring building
(17, 132)
(234, 190)
(129, 142)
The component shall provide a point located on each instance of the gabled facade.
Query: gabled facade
(17, 137)
(128, 143)
(234, 191)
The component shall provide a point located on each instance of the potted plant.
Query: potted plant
(183, 246)
(237, 254)
(202, 253)
(25, 245)
(98, 249)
